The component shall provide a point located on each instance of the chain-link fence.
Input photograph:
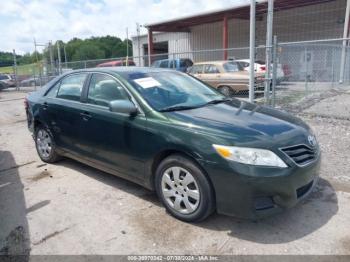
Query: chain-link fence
(302, 69)
(311, 68)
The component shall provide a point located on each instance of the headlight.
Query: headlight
(250, 156)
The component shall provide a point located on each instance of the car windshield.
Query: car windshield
(171, 91)
(232, 67)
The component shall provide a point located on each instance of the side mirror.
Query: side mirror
(123, 106)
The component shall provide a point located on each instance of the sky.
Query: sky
(23, 20)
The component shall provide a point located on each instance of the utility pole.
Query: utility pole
(138, 42)
(252, 51)
(268, 49)
(15, 72)
(65, 55)
(345, 35)
(59, 57)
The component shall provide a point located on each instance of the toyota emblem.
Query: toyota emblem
(312, 140)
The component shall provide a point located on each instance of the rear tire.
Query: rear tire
(226, 90)
(45, 145)
(183, 189)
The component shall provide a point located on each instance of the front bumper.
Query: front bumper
(255, 192)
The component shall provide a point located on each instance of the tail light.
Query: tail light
(262, 68)
(26, 105)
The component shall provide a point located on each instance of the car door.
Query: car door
(211, 75)
(62, 111)
(115, 140)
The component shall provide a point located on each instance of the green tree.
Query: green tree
(88, 52)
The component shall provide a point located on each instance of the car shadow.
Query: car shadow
(111, 180)
(292, 224)
(308, 216)
(14, 229)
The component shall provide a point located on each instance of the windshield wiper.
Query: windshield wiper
(176, 108)
(217, 101)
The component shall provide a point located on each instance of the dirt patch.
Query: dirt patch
(148, 223)
(43, 174)
(345, 242)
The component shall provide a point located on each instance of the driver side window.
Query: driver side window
(103, 89)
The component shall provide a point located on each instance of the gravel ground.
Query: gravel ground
(70, 208)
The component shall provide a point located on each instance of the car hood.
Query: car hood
(244, 124)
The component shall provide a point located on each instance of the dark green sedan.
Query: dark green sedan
(169, 132)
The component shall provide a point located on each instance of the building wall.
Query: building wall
(177, 43)
(323, 21)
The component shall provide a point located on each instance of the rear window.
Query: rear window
(232, 67)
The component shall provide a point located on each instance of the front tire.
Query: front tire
(183, 189)
(45, 145)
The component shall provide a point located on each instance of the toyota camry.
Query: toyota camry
(170, 132)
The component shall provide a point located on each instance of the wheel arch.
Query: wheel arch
(37, 123)
(160, 156)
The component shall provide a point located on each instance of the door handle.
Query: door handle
(86, 115)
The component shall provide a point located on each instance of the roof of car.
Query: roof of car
(122, 69)
(218, 62)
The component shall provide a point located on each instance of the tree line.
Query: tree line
(76, 50)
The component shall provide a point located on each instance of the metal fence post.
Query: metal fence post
(51, 59)
(274, 71)
(333, 76)
(59, 58)
(252, 51)
(174, 66)
(15, 71)
(345, 35)
(269, 30)
(306, 69)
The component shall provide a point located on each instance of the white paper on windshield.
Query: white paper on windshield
(147, 82)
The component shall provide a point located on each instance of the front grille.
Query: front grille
(304, 189)
(301, 154)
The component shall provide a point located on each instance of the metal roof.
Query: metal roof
(240, 12)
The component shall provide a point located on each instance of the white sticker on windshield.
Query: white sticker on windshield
(147, 82)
